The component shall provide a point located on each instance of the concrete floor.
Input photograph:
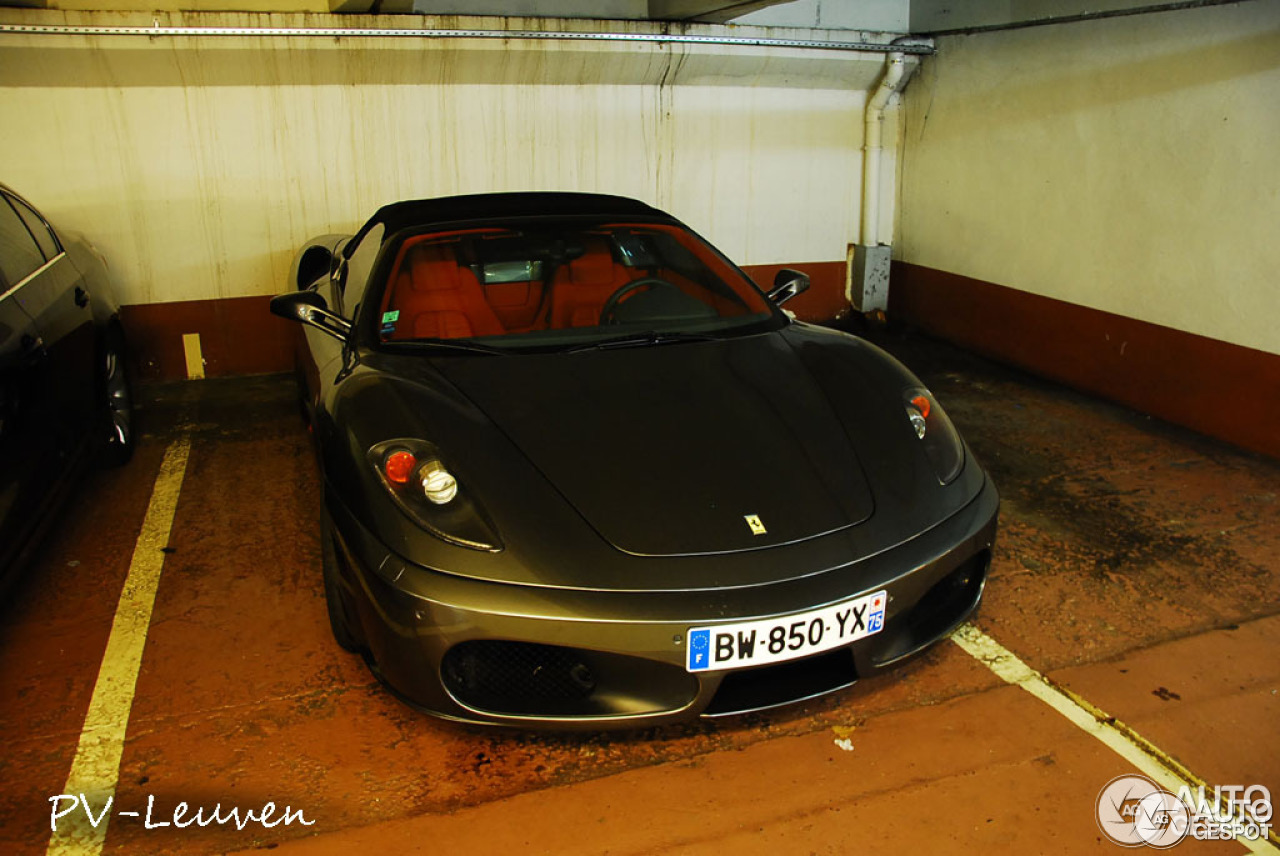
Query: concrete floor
(1138, 566)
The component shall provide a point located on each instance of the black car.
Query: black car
(64, 393)
(580, 472)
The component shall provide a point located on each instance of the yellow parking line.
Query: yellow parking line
(1114, 734)
(194, 357)
(95, 769)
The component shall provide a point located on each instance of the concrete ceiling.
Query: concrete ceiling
(885, 16)
(934, 17)
(712, 12)
(701, 11)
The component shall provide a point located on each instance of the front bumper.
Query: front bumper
(536, 657)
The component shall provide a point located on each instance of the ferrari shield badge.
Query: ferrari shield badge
(756, 524)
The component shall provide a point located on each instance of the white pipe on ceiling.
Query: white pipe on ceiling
(156, 31)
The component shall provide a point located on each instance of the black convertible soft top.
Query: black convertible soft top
(499, 206)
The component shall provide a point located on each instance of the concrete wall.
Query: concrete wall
(1128, 165)
(1098, 202)
(199, 165)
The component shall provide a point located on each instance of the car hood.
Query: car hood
(678, 449)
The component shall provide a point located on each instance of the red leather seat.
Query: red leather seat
(440, 299)
(583, 286)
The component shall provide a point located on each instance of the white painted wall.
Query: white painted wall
(1131, 165)
(199, 166)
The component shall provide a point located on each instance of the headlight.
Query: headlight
(438, 484)
(414, 474)
(935, 432)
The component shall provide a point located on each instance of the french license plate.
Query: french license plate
(773, 640)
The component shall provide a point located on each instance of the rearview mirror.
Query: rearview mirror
(787, 284)
(310, 308)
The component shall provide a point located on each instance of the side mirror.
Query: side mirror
(787, 284)
(314, 262)
(310, 308)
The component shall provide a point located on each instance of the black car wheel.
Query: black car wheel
(117, 434)
(334, 601)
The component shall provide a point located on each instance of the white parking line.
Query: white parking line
(1115, 735)
(95, 769)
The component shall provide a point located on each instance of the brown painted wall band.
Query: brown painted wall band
(238, 335)
(1214, 387)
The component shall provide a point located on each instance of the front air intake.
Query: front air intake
(530, 679)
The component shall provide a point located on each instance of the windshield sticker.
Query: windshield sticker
(391, 317)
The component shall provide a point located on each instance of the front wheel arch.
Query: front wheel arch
(117, 433)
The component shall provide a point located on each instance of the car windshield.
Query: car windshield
(570, 285)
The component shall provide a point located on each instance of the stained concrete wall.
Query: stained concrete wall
(1128, 165)
(199, 165)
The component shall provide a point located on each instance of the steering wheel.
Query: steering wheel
(606, 314)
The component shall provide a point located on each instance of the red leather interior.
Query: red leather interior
(583, 285)
(515, 303)
(438, 298)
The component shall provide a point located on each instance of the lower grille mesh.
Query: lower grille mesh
(497, 674)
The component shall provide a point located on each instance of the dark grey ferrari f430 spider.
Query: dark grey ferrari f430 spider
(580, 472)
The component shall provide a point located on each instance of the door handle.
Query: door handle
(82, 297)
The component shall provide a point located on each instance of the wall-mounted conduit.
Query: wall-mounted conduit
(157, 31)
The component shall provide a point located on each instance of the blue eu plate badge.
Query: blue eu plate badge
(699, 650)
